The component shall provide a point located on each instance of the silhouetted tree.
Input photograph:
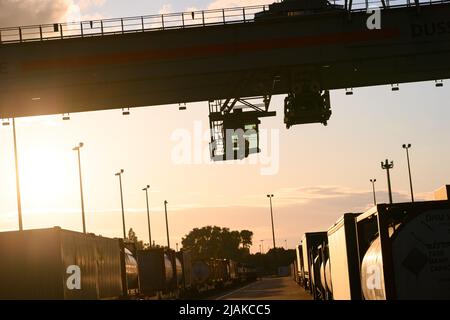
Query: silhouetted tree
(215, 242)
(246, 238)
(133, 237)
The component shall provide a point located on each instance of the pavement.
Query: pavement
(283, 288)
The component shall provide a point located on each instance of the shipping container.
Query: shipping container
(294, 274)
(344, 264)
(158, 271)
(247, 272)
(310, 243)
(200, 272)
(56, 264)
(186, 261)
(404, 251)
(223, 270)
(318, 254)
(284, 271)
(233, 267)
(218, 272)
(178, 272)
(131, 272)
(326, 286)
(299, 265)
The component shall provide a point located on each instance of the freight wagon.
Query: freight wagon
(310, 243)
(130, 272)
(299, 265)
(160, 273)
(247, 272)
(185, 257)
(218, 273)
(324, 288)
(56, 264)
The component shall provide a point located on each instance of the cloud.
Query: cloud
(323, 194)
(86, 4)
(166, 8)
(296, 211)
(30, 12)
(26, 12)
(191, 9)
(219, 4)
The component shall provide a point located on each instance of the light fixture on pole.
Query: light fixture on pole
(388, 166)
(119, 174)
(78, 148)
(16, 161)
(407, 147)
(270, 196)
(167, 224)
(373, 190)
(148, 216)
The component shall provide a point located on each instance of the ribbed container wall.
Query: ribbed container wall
(55, 264)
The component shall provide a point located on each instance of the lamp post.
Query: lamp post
(78, 148)
(373, 190)
(167, 224)
(119, 174)
(270, 196)
(388, 166)
(407, 147)
(148, 216)
(16, 160)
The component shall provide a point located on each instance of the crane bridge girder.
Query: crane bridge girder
(303, 54)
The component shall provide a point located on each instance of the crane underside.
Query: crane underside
(304, 52)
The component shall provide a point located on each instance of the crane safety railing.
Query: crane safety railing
(364, 5)
(104, 27)
(129, 25)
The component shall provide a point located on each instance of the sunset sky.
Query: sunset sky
(316, 173)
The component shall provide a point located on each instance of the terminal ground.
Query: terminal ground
(275, 288)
